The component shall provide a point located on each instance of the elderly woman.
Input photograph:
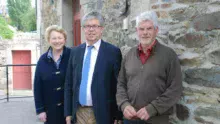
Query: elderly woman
(50, 76)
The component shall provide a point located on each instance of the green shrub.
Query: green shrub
(5, 31)
(2, 21)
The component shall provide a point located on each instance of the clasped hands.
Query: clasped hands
(42, 116)
(130, 113)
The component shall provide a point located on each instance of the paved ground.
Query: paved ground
(18, 111)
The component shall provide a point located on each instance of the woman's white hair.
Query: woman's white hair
(147, 16)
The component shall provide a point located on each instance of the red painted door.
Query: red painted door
(76, 23)
(21, 74)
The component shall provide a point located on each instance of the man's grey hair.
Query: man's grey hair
(93, 15)
(147, 16)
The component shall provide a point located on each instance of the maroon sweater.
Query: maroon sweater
(155, 85)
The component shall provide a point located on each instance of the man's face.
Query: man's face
(92, 30)
(56, 40)
(146, 32)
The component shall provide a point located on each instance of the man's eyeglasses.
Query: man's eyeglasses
(87, 27)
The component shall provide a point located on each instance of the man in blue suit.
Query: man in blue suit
(91, 79)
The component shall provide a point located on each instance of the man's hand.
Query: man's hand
(143, 114)
(42, 116)
(68, 119)
(118, 122)
(129, 112)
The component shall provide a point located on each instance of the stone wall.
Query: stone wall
(191, 28)
(3, 59)
(55, 12)
(50, 15)
(21, 41)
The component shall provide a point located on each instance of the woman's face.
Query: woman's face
(57, 40)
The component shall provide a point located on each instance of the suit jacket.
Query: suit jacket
(103, 87)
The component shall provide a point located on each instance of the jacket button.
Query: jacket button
(59, 88)
(58, 72)
(59, 104)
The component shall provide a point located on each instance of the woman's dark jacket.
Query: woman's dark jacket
(48, 87)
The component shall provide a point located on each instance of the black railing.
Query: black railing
(7, 80)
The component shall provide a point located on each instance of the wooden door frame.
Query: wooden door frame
(76, 23)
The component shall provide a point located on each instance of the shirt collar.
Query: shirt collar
(50, 54)
(96, 44)
(149, 48)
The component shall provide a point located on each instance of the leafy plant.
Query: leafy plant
(5, 31)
